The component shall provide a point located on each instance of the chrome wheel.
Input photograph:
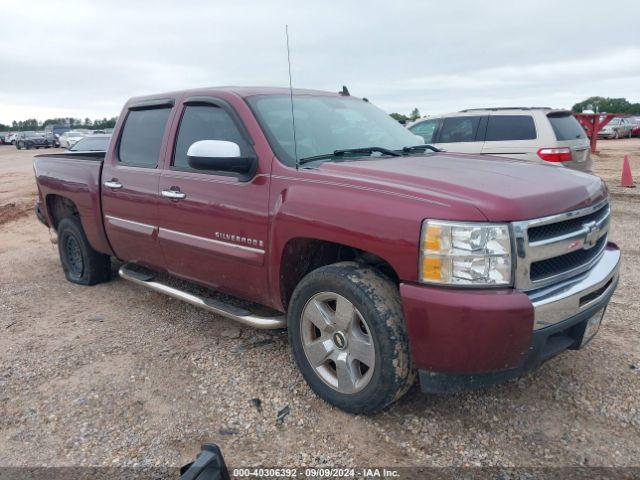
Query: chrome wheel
(337, 342)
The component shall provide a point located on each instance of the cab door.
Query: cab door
(213, 226)
(130, 182)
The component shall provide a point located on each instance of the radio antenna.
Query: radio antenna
(293, 117)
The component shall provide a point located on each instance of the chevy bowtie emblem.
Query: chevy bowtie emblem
(339, 340)
(592, 236)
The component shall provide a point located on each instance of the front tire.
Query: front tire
(80, 262)
(348, 337)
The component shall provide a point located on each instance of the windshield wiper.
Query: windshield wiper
(349, 151)
(418, 148)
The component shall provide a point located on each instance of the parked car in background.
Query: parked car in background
(28, 140)
(525, 133)
(69, 138)
(4, 138)
(13, 137)
(617, 128)
(92, 143)
(635, 126)
(53, 132)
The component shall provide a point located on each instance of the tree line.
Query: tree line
(607, 105)
(33, 124)
(412, 117)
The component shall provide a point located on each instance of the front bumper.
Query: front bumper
(464, 339)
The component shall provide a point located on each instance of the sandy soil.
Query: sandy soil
(118, 375)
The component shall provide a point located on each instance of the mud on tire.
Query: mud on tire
(378, 320)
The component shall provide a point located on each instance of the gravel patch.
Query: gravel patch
(116, 375)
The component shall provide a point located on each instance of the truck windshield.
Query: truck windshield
(325, 124)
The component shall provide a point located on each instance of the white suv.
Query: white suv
(526, 133)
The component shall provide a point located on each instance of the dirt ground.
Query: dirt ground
(115, 375)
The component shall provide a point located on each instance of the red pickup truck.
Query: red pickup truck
(383, 258)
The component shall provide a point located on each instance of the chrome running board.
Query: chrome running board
(229, 311)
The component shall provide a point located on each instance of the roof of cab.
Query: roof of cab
(240, 91)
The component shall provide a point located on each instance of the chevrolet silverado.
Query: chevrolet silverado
(385, 259)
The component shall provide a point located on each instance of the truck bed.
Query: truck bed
(93, 156)
(74, 176)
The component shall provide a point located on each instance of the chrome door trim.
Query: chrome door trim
(130, 225)
(211, 240)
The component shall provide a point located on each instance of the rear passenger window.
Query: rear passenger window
(510, 127)
(205, 122)
(459, 129)
(425, 130)
(142, 137)
(566, 127)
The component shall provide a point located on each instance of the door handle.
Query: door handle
(113, 183)
(173, 194)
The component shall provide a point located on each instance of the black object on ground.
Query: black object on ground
(209, 465)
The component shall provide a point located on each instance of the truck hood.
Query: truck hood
(503, 189)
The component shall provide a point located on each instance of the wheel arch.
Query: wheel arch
(302, 255)
(59, 207)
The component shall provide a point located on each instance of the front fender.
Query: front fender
(385, 225)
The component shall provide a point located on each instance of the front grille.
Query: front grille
(566, 227)
(557, 247)
(566, 263)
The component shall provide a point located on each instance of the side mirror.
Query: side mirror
(221, 156)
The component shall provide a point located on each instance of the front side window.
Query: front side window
(205, 122)
(459, 129)
(510, 127)
(324, 124)
(142, 137)
(426, 130)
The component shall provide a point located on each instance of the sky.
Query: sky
(85, 58)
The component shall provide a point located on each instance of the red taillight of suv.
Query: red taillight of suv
(561, 154)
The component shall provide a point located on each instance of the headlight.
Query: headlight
(453, 253)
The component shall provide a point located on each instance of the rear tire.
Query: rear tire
(80, 262)
(358, 359)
